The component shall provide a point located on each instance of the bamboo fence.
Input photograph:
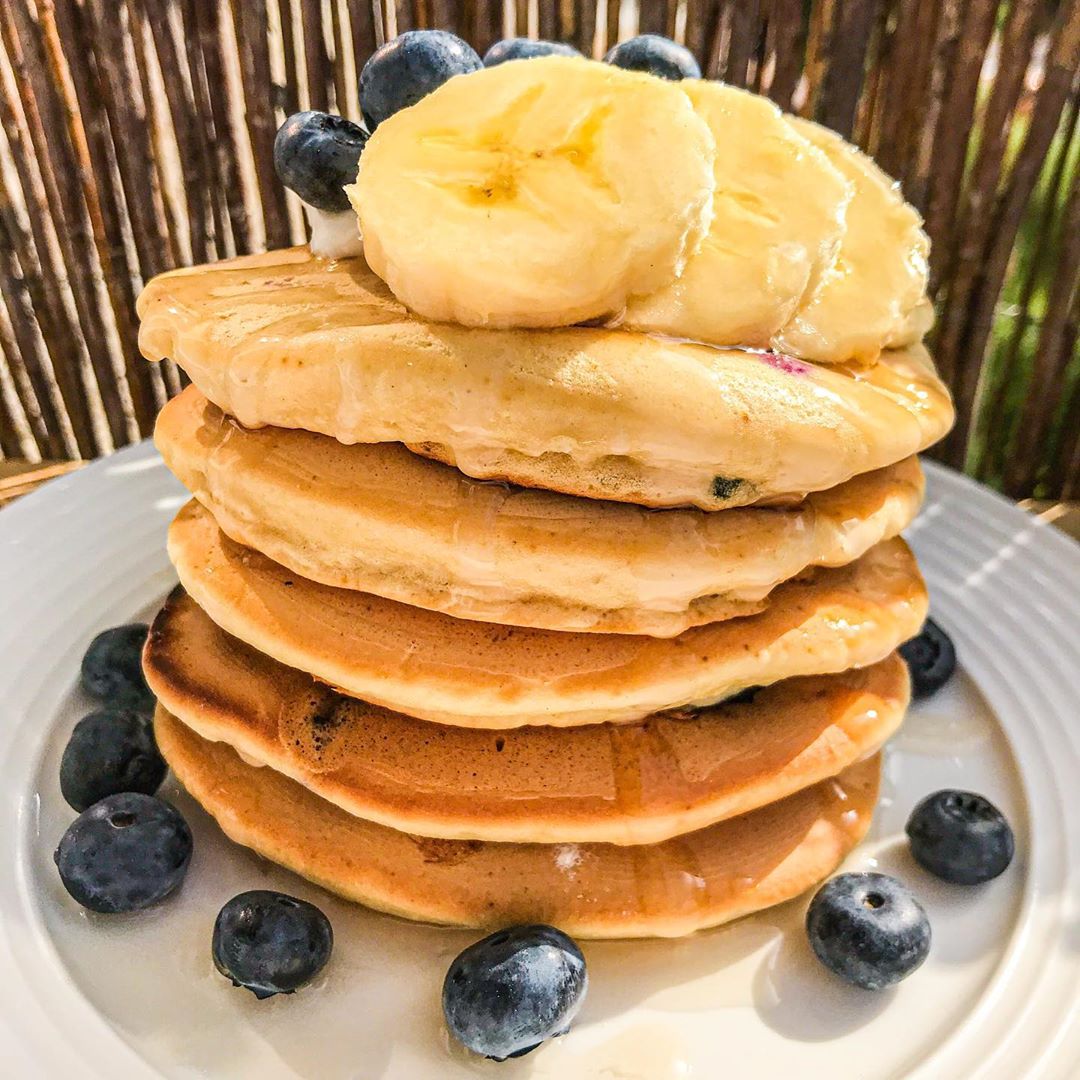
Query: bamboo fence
(137, 136)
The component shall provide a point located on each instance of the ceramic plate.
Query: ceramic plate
(137, 996)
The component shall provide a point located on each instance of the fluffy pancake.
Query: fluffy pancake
(623, 784)
(475, 674)
(288, 340)
(379, 519)
(694, 881)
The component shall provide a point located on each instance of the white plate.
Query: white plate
(137, 996)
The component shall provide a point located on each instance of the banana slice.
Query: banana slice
(535, 194)
(778, 218)
(874, 296)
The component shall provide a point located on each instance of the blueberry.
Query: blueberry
(960, 837)
(125, 853)
(316, 155)
(110, 752)
(271, 943)
(655, 55)
(506, 994)
(931, 659)
(868, 929)
(408, 68)
(112, 668)
(522, 48)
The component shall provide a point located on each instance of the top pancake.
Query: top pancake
(379, 519)
(289, 340)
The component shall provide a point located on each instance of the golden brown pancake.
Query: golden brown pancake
(624, 784)
(475, 674)
(693, 881)
(382, 520)
(289, 340)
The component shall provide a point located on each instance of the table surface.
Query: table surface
(18, 477)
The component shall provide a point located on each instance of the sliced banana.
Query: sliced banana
(535, 194)
(778, 219)
(874, 296)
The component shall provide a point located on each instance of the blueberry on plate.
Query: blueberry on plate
(655, 55)
(316, 155)
(505, 995)
(931, 659)
(868, 929)
(523, 48)
(112, 668)
(110, 752)
(960, 837)
(126, 853)
(271, 943)
(408, 68)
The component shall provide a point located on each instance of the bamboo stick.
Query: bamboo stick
(787, 33)
(548, 19)
(315, 58)
(188, 133)
(1009, 212)
(744, 31)
(1051, 357)
(174, 255)
(214, 104)
(59, 174)
(614, 7)
(250, 28)
(36, 395)
(992, 412)
(652, 17)
(953, 128)
(363, 30)
(845, 46)
(110, 256)
(947, 33)
(44, 273)
(11, 444)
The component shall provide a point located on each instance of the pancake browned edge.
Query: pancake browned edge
(474, 674)
(625, 784)
(685, 884)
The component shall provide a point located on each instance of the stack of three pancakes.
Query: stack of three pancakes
(548, 690)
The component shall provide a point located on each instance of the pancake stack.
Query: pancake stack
(583, 625)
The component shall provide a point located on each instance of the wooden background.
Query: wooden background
(137, 136)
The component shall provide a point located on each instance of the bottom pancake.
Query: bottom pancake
(688, 883)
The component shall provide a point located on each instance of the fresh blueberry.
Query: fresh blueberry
(110, 752)
(112, 668)
(125, 853)
(522, 48)
(868, 929)
(931, 659)
(316, 155)
(506, 994)
(408, 68)
(271, 943)
(655, 55)
(960, 837)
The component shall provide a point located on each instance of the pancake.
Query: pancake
(289, 340)
(590, 890)
(475, 674)
(379, 519)
(623, 784)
